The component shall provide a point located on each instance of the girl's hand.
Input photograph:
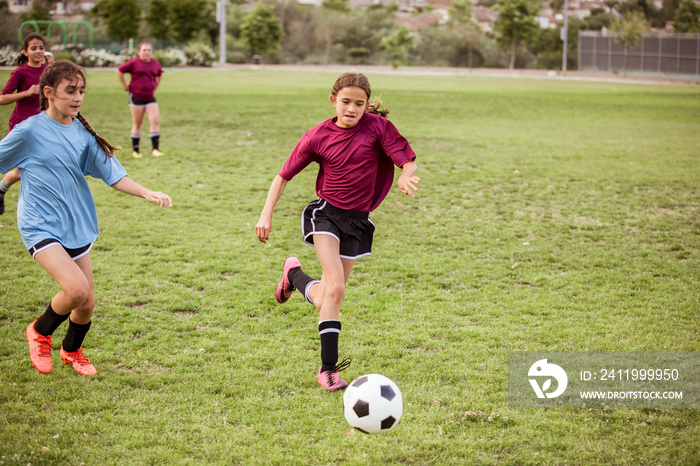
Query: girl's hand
(408, 183)
(33, 89)
(159, 198)
(263, 228)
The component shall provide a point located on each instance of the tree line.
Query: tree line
(288, 32)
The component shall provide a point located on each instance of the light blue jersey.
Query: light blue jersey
(55, 201)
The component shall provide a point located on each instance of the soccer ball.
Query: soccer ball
(373, 404)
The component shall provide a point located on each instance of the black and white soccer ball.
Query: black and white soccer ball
(373, 403)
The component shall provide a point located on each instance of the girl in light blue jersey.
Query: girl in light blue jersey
(56, 214)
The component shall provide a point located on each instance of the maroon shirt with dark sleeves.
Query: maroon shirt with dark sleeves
(22, 78)
(356, 164)
(143, 77)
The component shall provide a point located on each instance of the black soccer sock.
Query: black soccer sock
(155, 140)
(329, 331)
(75, 336)
(301, 282)
(135, 140)
(49, 321)
(3, 187)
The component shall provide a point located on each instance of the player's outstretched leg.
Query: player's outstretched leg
(285, 287)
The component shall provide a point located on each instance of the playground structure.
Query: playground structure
(64, 28)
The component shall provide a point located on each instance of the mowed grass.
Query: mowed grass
(552, 215)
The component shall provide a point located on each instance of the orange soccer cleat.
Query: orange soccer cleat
(39, 349)
(80, 363)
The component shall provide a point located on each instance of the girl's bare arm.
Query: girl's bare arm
(129, 186)
(264, 225)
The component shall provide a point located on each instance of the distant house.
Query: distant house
(20, 6)
(61, 9)
(404, 5)
(548, 18)
(415, 23)
(484, 17)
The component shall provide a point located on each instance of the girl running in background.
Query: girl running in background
(56, 214)
(146, 73)
(356, 151)
(22, 89)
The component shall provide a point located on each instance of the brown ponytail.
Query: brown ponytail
(361, 81)
(374, 107)
(102, 142)
(52, 77)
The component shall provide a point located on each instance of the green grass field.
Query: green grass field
(552, 215)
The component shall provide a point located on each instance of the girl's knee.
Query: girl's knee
(79, 294)
(335, 291)
(82, 314)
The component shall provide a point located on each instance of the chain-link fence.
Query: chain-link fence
(656, 54)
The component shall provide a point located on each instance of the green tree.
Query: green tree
(629, 31)
(467, 30)
(516, 24)
(398, 45)
(365, 29)
(687, 17)
(669, 9)
(599, 19)
(300, 31)
(331, 28)
(651, 12)
(157, 19)
(123, 18)
(337, 5)
(548, 46)
(612, 4)
(188, 17)
(435, 46)
(261, 29)
(461, 12)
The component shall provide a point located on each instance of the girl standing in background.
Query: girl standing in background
(146, 74)
(22, 89)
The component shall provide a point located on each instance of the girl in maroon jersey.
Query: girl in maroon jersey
(356, 151)
(146, 74)
(22, 89)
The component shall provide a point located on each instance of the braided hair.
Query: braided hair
(21, 57)
(361, 81)
(52, 77)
